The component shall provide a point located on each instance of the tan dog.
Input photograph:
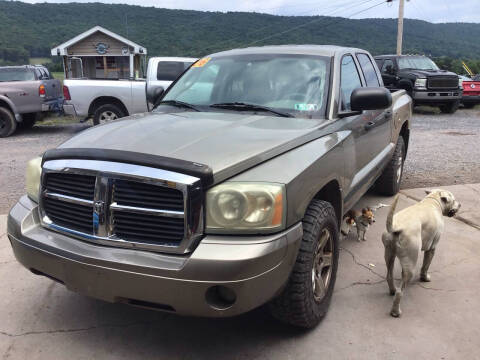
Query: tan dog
(414, 229)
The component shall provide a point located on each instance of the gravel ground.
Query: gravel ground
(444, 150)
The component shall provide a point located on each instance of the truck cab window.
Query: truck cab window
(368, 70)
(170, 70)
(349, 81)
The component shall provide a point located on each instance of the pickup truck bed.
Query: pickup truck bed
(26, 91)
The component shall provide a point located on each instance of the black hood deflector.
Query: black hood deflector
(201, 171)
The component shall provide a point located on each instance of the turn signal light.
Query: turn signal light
(41, 91)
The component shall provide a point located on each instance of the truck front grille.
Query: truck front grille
(69, 215)
(442, 82)
(144, 212)
(81, 186)
(125, 210)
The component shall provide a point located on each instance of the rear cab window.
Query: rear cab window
(171, 70)
(16, 74)
(349, 81)
(369, 72)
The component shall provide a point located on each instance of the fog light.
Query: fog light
(220, 297)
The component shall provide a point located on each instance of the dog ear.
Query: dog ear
(428, 192)
(364, 210)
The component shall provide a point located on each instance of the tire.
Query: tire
(28, 121)
(469, 105)
(301, 303)
(106, 113)
(8, 124)
(389, 182)
(450, 108)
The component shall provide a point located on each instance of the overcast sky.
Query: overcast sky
(429, 10)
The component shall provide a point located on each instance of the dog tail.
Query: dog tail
(390, 215)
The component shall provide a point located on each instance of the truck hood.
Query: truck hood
(227, 142)
(428, 73)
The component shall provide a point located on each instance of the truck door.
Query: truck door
(378, 131)
(389, 74)
(367, 129)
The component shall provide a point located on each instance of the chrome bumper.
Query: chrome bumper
(254, 269)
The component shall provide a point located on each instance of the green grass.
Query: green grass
(58, 75)
(57, 120)
(40, 60)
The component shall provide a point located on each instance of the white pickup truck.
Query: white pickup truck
(106, 100)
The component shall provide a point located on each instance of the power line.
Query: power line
(336, 10)
(313, 21)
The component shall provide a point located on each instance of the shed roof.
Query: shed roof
(62, 48)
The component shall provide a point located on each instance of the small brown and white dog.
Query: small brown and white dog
(362, 220)
(411, 230)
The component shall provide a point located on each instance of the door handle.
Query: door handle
(369, 125)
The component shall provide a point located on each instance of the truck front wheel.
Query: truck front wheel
(450, 108)
(306, 297)
(106, 113)
(8, 125)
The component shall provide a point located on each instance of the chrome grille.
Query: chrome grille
(68, 200)
(131, 193)
(147, 228)
(442, 82)
(122, 205)
(82, 186)
(73, 216)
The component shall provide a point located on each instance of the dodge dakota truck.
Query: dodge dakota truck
(25, 93)
(422, 79)
(229, 195)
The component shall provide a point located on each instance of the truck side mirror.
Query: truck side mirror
(370, 98)
(154, 94)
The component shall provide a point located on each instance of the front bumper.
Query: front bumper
(254, 268)
(473, 99)
(436, 96)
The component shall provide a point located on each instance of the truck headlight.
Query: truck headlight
(460, 83)
(245, 207)
(421, 83)
(32, 181)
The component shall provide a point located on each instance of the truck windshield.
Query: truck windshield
(419, 63)
(288, 84)
(15, 74)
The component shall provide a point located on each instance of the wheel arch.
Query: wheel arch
(331, 192)
(103, 100)
(9, 105)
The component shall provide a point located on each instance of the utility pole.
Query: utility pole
(401, 8)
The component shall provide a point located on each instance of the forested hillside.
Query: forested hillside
(30, 30)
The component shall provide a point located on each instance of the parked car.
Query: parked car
(422, 79)
(471, 91)
(25, 93)
(227, 196)
(105, 100)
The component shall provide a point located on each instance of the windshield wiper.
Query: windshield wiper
(179, 104)
(244, 106)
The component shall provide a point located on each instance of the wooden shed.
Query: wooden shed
(101, 54)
